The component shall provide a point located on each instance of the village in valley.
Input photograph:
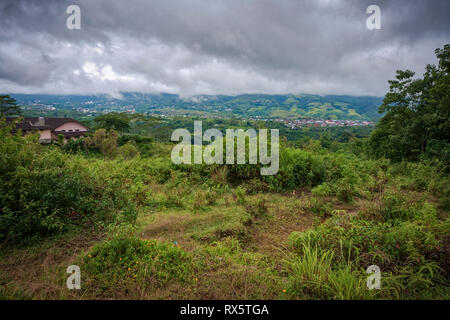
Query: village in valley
(316, 123)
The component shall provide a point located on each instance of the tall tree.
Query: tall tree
(113, 121)
(417, 119)
(9, 107)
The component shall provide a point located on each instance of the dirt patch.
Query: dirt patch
(349, 208)
(298, 193)
(169, 228)
(41, 270)
(270, 236)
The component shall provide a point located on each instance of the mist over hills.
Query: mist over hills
(285, 106)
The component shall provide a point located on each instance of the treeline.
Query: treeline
(417, 120)
(160, 129)
(245, 105)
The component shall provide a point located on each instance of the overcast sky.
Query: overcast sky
(216, 47)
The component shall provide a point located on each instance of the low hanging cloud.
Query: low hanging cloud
(216, 46)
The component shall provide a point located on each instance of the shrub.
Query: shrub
(123, 260)
(255, 186)
(408, 250)
(105, 141)
(174, 199)
(41, 196)
(397, 207)
(129, 150)
(257, 207)
(313, 274)
(43, 191)
(204, 198)
(319, 206)
(74, 146)
(346, 190)
(322, 190)
(239, 195)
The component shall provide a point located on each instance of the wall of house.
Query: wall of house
(45, 135)
(74, 126)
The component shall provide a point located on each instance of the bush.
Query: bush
(74, 146)
(257, 207)
(129, 150)
(43, 191)
(40, 194)
(239, 196)
(204, 198)
(322, 190)
(314, 274)
(105, 141)
(320, 207)
(408, 250)
(122, 260)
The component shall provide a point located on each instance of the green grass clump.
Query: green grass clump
(257, 207)
(314, 275)
(217, 225)
(124, 260)
(408, 252)
(319, 206)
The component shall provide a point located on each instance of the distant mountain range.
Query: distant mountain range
(286, 106)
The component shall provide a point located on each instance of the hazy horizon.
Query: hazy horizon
(118, 95)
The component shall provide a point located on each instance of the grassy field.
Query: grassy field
(143, 228)
(232, 255)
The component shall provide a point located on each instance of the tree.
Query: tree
(113, 121)
(417, 119)
(129, 150)
(105, 142)
(8, 107)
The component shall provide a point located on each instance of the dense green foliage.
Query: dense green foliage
(411, 252)
(113, 121)
(9, 107)
(125, 258)
(417, 120)
(44, 191)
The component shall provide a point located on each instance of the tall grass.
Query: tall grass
(314, 274)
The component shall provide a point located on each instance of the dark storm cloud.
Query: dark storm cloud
(229, 46)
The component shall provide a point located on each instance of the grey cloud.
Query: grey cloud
(223, 46)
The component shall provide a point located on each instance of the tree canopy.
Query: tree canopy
(9, 107)
(113, 121)
(416, 123)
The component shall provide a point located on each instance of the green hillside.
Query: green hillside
(287, 106)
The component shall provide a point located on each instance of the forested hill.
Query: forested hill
(245, 105)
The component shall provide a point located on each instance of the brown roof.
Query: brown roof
(49, 123)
